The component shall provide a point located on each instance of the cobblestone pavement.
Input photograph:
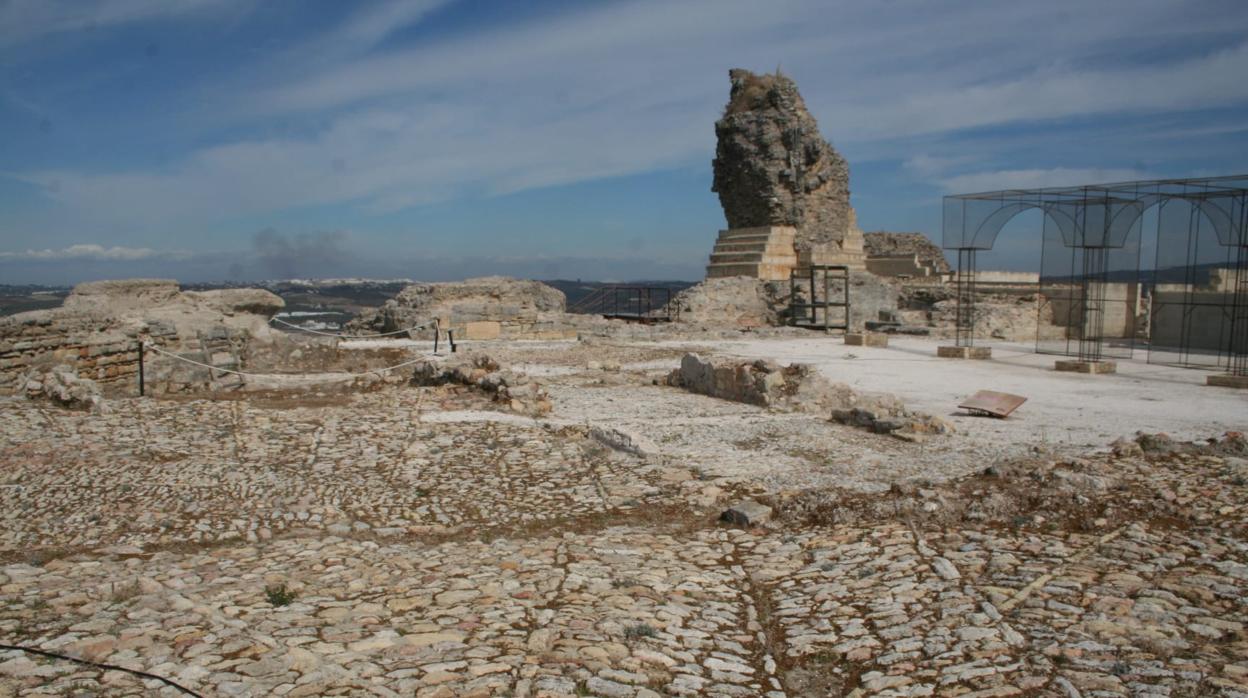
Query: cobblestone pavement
(202, 471)
(387, 544)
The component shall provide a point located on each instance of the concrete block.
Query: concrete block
(868, 339)
(483, 330)
(1227, 380)
(747, 512)
(952, 352)
(1091, 367)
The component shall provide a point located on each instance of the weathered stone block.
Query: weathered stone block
(746, 513)
(1091, 367)
(952, 352)
(1227, 380)
(869, 339)
(483, 330)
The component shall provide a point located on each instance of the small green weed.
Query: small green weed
(279, 595)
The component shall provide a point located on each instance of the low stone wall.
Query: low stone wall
(38, 340)
(800, 388)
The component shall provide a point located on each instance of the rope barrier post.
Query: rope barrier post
(141, 382)
(450, 337)
(437, 329)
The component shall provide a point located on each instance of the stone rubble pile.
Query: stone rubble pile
(63, 386)
(518, 392)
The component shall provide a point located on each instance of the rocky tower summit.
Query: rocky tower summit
(779, 182)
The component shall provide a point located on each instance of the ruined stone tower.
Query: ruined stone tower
(784, 189)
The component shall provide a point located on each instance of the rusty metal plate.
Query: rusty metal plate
(992, 403)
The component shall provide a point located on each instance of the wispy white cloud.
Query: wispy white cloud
(975, 182)
(375, 23)
(92, 251)
(23, 21)
(1049, 93)
(613, 89)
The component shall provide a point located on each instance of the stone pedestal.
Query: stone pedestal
(953, 352)
(1091, 367)
(1227, 380)
(868, 339)
(763, 253)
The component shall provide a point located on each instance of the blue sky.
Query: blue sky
(434, 139)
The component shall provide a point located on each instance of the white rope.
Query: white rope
(352, 336)
(179, 357)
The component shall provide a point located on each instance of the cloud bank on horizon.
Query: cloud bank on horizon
(433, 138)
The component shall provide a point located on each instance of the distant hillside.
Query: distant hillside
(19, 299)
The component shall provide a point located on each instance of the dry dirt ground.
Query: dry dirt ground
(422, 541)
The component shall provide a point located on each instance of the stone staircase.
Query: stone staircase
(764, 253)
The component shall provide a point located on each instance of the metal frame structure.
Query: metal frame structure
(637, 304)
(964, 279)
(632, 303)
(1202, 227)
(834, 279)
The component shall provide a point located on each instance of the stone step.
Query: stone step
(718, 270)
(777, 233)
(754, 257)
(741, 247)
(736, 257)
(743, 238)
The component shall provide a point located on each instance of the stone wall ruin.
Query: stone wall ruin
(773, 169)
(491, 307)
(97, 331)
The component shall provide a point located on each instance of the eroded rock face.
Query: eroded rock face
(733, 301)
(121, 295)
(772, 167)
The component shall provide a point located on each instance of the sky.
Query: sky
(438, 139)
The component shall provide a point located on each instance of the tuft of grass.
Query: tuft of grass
(279, 595)
(124, 592)
(639, 631)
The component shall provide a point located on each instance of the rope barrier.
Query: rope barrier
(352, 336)
(99, 665)
(179, 357)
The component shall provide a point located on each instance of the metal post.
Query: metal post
(864, 327)
(792, 295)
(826, 299)
(142, 390)
(437, 330)
(1237, 360)
(964, 325)
(450, 337)
(814, 312)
